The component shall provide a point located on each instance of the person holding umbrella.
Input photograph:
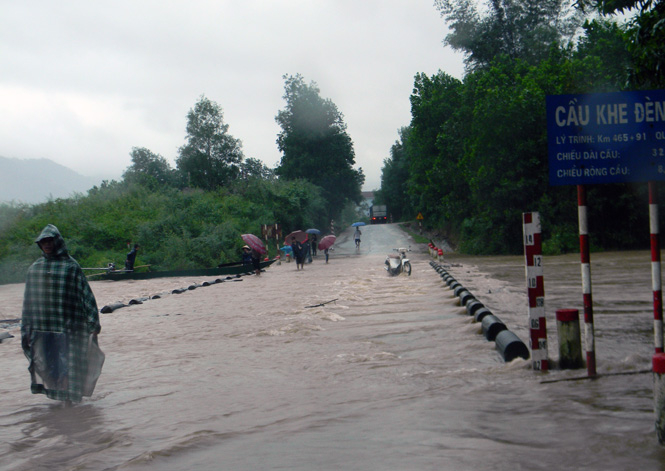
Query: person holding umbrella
(326, 244)
(314, 243)
(307, 250)
(252, 257)
(298, 253)
(257, 249)
(313, 238)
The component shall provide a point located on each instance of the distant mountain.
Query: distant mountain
(37, 180)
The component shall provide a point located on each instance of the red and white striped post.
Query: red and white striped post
(658, 367)
(585, 259)
(655, 269)
(536, 290)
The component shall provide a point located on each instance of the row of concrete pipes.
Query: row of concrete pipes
(507, 343)
(117, 305)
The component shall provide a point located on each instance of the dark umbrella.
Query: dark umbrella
(299, 235)
(313, 231)
(254, 242)
(327, 242)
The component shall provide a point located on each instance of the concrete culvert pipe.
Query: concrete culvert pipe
(465, 298)
(473, 306)
(510, 346)
(481, 313)
(458, 290)
(138, 300)
(454, 285)
(492, 325)
(111, 307)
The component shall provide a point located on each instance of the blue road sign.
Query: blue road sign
(606, 137)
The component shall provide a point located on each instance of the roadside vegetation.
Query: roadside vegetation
(475, 155)
(192, 216)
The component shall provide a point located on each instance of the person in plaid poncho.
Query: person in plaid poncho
(60, 324)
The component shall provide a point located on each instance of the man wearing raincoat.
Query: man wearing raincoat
(60, 324)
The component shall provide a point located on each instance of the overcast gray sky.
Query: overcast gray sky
(83, 82)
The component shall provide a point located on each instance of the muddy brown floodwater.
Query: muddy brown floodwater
(392, 375)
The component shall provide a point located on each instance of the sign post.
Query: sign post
(608, 138)
(420, 222)
(655, 270)
(533, 255)
(585, 260)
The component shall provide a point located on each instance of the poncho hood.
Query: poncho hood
(59, 243)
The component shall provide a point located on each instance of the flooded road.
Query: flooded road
(392, 375)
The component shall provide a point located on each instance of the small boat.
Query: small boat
(227, 269)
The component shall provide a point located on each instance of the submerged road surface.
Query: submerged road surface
(390, 375)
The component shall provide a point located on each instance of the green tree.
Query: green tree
(253, 168)
(211, 156)
(523, 29)
(394, 179)
(434, 101)
(646, 32)
(602, 60)
(315, 145)
(148, 168)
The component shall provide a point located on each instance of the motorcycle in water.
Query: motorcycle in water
(398, 263)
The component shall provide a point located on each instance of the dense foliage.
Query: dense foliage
(475, 156)
(211, 156)
(191, 216)
(513, 28)
(646, 31)
(176, 228)
(316, 146)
